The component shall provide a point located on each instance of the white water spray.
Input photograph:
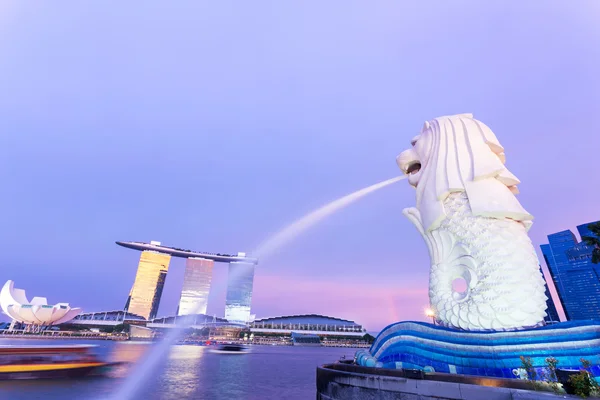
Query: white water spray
(150, 362)
(296, 228)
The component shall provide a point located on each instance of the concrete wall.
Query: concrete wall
(344, 385)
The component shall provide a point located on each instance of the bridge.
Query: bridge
(118, 317)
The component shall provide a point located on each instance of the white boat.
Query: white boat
(231, 349)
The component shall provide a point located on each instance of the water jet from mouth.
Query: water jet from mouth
(297, 227)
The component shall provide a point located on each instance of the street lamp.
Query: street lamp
(430, 313)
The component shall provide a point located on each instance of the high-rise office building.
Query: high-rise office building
(144, 297)
(239, 291)
(576, 278)
(196, 286)
(551, 313)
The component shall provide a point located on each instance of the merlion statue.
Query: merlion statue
(474, 227)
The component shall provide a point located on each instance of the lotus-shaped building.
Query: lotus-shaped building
(14, 303)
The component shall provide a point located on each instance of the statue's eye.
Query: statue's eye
(415, 140)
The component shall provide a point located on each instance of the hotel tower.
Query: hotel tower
(239, 292)
(196, 286)
(144, 297)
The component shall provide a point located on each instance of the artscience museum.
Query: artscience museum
(36, 312)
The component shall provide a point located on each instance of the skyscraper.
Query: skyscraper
(144, 297)
(577, 280)
(239, 291)
(551, 313)
(196, 286)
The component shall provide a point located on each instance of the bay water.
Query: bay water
(189, 372)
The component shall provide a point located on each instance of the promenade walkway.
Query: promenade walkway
(62, 335)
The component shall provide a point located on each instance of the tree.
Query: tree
(120, 328)
(245, 332)
(368, 338)
(594, 241)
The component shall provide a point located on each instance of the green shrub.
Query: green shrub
(584, 383)
(527, 365)
(550, 374)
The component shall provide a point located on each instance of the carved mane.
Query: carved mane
(463, 154)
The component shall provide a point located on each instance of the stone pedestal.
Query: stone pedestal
(351, 382)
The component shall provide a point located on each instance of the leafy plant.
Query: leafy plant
(527, 365)
(550, 374)
(584, 383)
(368, 338)
(594, 241)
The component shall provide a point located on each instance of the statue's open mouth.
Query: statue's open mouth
(413, 168)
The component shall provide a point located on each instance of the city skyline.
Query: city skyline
(212, 126)
(575, 277)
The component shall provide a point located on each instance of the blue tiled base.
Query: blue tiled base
(420, 345)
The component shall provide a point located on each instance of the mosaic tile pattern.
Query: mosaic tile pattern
(420, 345)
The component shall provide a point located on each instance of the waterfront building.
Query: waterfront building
(101, 319)
(196, 286)
(307, 324)
(285, 330)
(140, 332)
(239, 292)
(305, 339)
(192, 320)
(216, 328)
(36, 313)
(309, 329)
(107, 318)
(575, 277)
(145, 294)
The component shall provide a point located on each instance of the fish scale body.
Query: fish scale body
(498, 261)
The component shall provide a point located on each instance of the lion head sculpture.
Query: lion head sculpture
(460, 154)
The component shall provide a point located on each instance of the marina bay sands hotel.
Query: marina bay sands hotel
(147, 288)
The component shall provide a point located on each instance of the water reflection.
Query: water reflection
(128, 353)
(233, 374)
(184, 362)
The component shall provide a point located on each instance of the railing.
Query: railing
(119, 316)
(345, 343)
(311, 327)
(429, 376)
(63, 335)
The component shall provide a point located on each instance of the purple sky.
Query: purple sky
(212, 126)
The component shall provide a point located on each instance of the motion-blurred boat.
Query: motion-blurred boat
(43, 362)
(231, 349)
